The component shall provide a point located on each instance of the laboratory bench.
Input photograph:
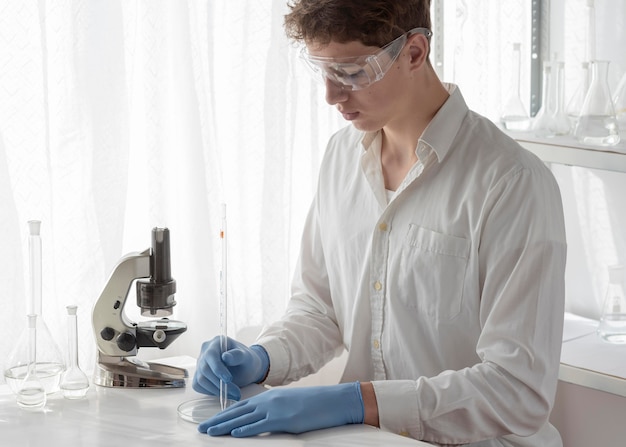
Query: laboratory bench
(149, 418)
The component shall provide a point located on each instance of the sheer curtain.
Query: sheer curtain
(117, 116)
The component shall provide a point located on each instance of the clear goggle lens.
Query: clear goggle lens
(357, 73)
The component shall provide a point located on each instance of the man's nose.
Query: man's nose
(334, 93)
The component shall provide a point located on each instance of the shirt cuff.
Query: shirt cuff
(279, 361)
(398, 411)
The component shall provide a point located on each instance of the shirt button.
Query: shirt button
(382, 226)
(378, 285)
(376, 344)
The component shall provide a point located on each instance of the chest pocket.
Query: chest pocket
(436, 264)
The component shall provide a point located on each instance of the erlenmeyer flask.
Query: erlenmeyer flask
(514, 114)
(31, 394)
(612, 327)
(575, 104)
(597, 123)
(50, 365)
(543, 123)
(619, 101)
(74, 382)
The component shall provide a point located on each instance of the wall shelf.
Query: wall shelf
(567, 151)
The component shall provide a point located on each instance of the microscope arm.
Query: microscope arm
(115, 336)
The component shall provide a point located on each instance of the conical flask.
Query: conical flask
(49, 365)
(514, 114)
(612, 327)
(597, 123)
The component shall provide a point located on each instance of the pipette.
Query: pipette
(223, 304)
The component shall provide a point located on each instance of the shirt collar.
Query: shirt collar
(442, 129)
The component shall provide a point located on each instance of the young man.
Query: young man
(434, 253)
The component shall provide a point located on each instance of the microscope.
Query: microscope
(118, 339)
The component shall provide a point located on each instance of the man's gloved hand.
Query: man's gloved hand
(291, 410)
(238, 366)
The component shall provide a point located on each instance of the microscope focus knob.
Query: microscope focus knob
(126, 341)
(107, 333)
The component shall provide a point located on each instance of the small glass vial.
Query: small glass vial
(612, 327)
(31, 394)
(74, 382)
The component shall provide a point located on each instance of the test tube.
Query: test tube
(223, 304)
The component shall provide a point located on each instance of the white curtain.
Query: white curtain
(117, 116)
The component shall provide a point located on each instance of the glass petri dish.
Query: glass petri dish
(199, 410)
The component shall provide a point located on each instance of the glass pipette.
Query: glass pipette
(223, 304)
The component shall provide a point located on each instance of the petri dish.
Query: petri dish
(199, 410)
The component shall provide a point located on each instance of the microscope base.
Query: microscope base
(130, 372)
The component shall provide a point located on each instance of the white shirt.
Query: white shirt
(448, 297)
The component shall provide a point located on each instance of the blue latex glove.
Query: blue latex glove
(238, 366)
(291, 410)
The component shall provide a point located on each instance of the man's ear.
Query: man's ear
(418, 46)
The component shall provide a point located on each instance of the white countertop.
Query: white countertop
(110, 417)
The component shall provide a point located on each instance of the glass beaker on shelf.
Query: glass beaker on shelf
(514, 114)
(50, 364)
(612, 327)
(597, 123)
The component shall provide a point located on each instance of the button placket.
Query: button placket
(378, 275)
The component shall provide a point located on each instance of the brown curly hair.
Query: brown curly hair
(372, 22)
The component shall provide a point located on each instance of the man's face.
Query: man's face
(369, 108)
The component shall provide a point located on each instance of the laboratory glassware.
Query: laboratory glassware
(619, 101)
(50, 364)
(543, 124)
(560, 122)
(575, 104)
(612, 327)
(199, 410)
(31, 394)
(597, 123)
(514, 114)
(224, 304)
(74, 382)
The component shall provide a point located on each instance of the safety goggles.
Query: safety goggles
(357, 73)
